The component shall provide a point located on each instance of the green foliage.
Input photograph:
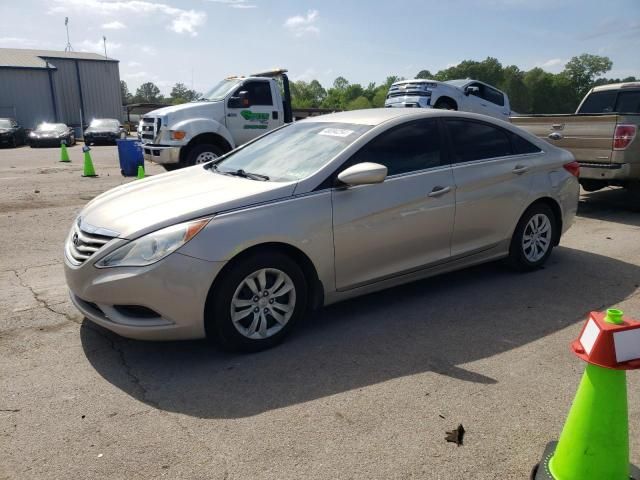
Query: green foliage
(124, 91)
(148, 93)
(181, 94)
(583, 70)
(358, 103)
(424, 74)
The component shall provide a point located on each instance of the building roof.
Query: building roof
(24, 58)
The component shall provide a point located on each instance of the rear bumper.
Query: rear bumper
(609, 171)
(161, 154)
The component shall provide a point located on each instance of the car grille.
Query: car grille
(149, 129)
(82, 245)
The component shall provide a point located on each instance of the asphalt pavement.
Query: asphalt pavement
(364, 389)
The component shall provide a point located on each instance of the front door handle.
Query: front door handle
(555, 136)
(438, 190)
(520, 169)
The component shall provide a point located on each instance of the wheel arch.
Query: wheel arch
(205, 138)
(316, 289)
(446, 98)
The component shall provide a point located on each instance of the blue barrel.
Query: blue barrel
(130, 156)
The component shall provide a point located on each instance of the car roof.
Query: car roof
(377, 116)
(616, 86)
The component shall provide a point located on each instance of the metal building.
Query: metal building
(68, 87)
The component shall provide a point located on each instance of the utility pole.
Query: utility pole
(68, 48)
(104, 41)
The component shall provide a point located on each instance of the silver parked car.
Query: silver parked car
(313, 213)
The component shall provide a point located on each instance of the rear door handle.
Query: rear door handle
(555, 136)
(438, 190)
(520, 169)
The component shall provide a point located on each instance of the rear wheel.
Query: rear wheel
(203, 153)
(533, 238)
(257, 302)
(592, 185)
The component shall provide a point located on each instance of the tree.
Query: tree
(358, 103)
(425, 74)
(181, 94)
(124, 91)
(583, 70)
(149, 93)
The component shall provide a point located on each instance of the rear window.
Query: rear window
(600, 102)
(629, 102)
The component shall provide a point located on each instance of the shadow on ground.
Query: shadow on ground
(434, 325)
(612, 205)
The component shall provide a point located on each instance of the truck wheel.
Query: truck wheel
(592, 185)
(203, 153)
(445, 104)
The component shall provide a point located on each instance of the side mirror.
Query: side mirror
(363, 174)
(471, 90)
(240, 101)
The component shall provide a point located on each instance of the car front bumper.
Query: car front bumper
(163, 301)
(161, 154)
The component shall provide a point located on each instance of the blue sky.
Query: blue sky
(171, 41)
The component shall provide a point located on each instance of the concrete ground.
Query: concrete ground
(363, 390)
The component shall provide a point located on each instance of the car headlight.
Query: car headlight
(154, 246)
(33, 135)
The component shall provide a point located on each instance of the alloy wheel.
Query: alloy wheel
(536, 238)
(263, 303)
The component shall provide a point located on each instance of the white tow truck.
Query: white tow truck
(235, 111)
(464, 95)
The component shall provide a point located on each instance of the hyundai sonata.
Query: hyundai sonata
(315, 212)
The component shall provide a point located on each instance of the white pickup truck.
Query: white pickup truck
(464, 95)
(235, 111)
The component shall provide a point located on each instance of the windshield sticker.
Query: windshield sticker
(336, 132)
(255, 117)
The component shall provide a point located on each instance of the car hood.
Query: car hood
(101, 130)
(186, 110)
(146, 205)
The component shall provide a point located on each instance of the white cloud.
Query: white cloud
(553, 64)
(148, 50)
(302, 24)
(116, 25)
(19, 42)
(136, 75)
(133, 64)
(236, 3)
(98, 46)
(180, 20)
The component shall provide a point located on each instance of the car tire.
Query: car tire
(14, 142)
(202, 153)
(445, 104)
(258, 328)
(592, 185)
(534, 238)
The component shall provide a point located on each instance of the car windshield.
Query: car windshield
(51, 127)
(457, 83)
(105, 123)
(222, 89)
(5, 123)
(295, 151)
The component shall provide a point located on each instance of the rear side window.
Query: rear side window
(628, 102)
(599, 102)
(405, 148)
(476, 141)
(522, 146)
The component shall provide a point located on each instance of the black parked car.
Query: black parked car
(11, 133)
(104, 130)
(52, 135)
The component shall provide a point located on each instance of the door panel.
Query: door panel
(393, 227)
(247, 123)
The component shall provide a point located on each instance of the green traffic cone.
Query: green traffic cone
(140, 172)
(89, 171)
(594, 443)
(64, 155)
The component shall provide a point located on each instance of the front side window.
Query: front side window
(259, 93)
(599, 102)
(472, 140)
(404, 149)
(494, 96)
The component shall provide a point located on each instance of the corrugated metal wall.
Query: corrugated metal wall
(27, 93)
(100, 83)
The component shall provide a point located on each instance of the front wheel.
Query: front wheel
(533, 238)
(257, 302)
(203, 153)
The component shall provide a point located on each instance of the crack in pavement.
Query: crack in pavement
(41, 301)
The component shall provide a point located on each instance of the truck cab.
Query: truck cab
(235, 111)
(465, 95)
